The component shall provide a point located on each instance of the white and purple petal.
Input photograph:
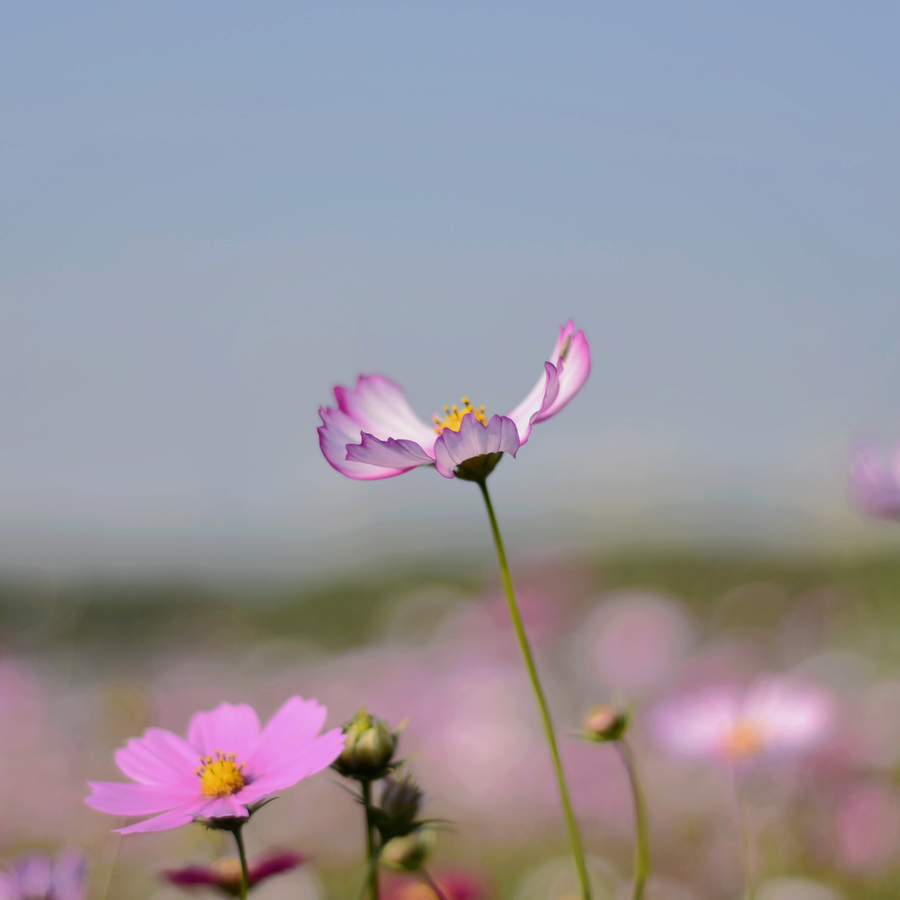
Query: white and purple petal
(379, 406)
(564, 375)
(397, 455)
(474, 439)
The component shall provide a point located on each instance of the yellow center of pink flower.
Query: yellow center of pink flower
(220, 775)
(745, 740)
(453, 416)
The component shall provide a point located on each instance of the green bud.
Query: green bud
(369, 746)
(605, 723)
(409, 852)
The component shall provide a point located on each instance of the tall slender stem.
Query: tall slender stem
(641, 835)
(744, 831)
(568, 813)
(435, 887)
(371, 850)
(242, 853)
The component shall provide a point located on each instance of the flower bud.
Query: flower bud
(369, 746)
(400, 799)
(409, 852)
(605, 723)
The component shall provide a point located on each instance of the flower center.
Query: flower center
(453, 416)
(745, 740)
(220, 775)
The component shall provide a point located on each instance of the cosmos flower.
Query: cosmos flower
(225, 873)
(875, 482)
(36, 876)
(774, 717)
(455, 884)
(374, 433)
(226, 766)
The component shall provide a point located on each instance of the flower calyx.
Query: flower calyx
(395, 815)
(605, 722)
(478, 467)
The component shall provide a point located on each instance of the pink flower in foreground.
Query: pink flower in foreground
(875, 482)
(374, 433)
(226, 765)
(36, 876)
(774, 717)
(225, 873)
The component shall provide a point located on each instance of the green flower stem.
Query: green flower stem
(571, 823)
(641, 835)
(371, 849)
(242, 853)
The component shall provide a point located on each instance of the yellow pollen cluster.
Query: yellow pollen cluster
(746, 740)
(220, 775)
(453, 416)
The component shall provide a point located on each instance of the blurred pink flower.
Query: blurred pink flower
(225, 873)
(875, 482)
(867, 828)
(225, 764)
(36, 876)
(374, 433)
(774, 717)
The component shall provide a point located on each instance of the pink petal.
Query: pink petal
(564, 375)
(175, 818)
(136, 799)
(228, 729)
(474, 439)
(70, 876)
(390, 454)
(315, 756)
(159, 757)
(792, 715)
(295, 724)
(33, 875)
(379, 406)
(335, 433)
(699, 724)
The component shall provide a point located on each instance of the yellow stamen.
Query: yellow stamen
(220, 775)
(745, 740)
(454, 415)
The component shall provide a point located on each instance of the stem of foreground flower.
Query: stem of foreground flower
(568, 813)
(641, 836)
(435, 887)
(371, 850)
(242, 853)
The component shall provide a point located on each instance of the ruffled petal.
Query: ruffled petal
(175, 818)
(474, 439)
(228, 728)
(336, 432)
(295, 724)
(564, 375)
(123, 799)
(391, 454)
(159, 757)
(224, 808)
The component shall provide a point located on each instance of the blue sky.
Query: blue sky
(212, 212)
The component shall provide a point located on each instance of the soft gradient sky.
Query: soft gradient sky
(213, 211)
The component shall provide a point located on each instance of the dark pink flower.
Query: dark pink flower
(875, 482)
(226, 764)
(36, 876)
(225, 873)
(374, 433)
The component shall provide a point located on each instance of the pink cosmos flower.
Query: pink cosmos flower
(225, 873)
(374, 433)
(774, 717)
(225, 767)
(36, 876)
(875, 482)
